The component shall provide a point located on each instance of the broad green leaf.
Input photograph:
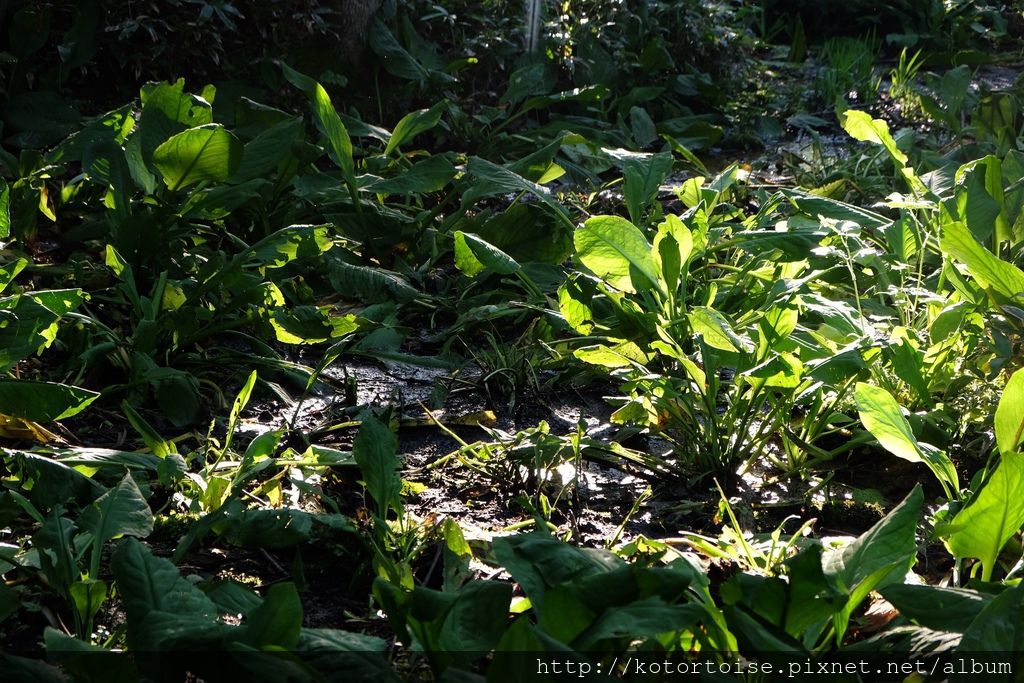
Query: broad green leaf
(881, 415)
(264, 154)
(151, 585)
(643, 175)
(28, 323)
(208, 152)
(121, 511)
(491, 179)
(374, 451)
(673, 247)
(429, 175)
(880, 556)
(588, 94)
(538, 562)
(575, 307)
(288, 244)
(9, 271)
(715, 330)
(814, 206)
(624, 355)
(998, 629)
(979, 201)
(1009, 420)
(413, 124)
(473, 255)
(359, 656)
(88, 596)
(639, 619)
(238, 405)
(309, 325)
(395, 59)
(5, 210)
(935, 607)
(991, 272)
(982, 527)
(528, 232)
(373, 284)
(166, 111)
(862, 127)
(42, 401)
(478, 618)
(327, 119)
(96, 458)
(334, 129)
(616, 251)
(150, 436)
(533, 79)
(277, 622)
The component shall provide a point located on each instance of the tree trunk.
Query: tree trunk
(354, 18)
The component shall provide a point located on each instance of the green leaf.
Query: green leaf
(998, 628)
(939, 608)
(178, 396)
(10, 270)
(277, 622)
(643, 618)
(880, 556)
(150, 436)
(208, 152)
(166, 111)
(881, 415)
(395, 59)
(268, 528)
(473, 255)
(88, 596)
(815, 206)
(491, 179)
(1009, 420)
(327, 119)
(121, 511)
(5, 211)
(28, 323)
(979, 199)
(716, 330)
(616, 251)
(337, 135)
(264, 154)
(288, 244)
(528, 232)
(150, 586)
(429, 175)
(982, 527)
(42, 401)
(373, 284)
(643, 175)
(477, 619)
(992, 273)
(862, 127)
(538, 562)
(309, 325)
(374, 451)
(413, 124)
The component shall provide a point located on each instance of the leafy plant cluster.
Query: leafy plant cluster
(176, 264)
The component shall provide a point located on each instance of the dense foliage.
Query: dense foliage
(779, 249)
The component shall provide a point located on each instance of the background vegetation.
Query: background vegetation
(392, 339)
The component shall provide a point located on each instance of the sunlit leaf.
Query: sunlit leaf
(200, 154)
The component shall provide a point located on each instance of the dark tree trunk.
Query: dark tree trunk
(354, 18)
